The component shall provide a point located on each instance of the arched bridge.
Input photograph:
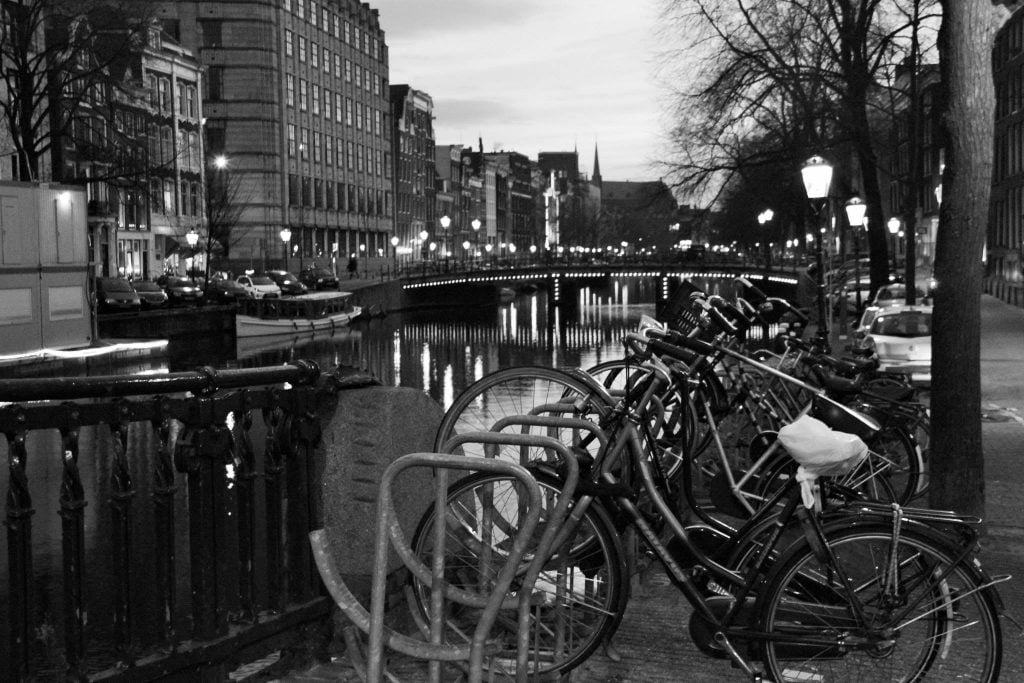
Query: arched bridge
(563, 280)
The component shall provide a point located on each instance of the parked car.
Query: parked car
(151, 294)
(114, 295)
(224, 291)
(896, 293)
(181, 291)
(288, 282)
(317, 277)
(259, 286)
(901, 337)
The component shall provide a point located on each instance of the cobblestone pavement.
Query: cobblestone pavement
(653, 640)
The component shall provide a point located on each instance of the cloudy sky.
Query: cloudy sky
(536, 75)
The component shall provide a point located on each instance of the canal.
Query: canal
(445, 349)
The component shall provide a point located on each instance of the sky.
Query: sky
(536, 76)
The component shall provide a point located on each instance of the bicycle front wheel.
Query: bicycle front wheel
(883, 610)
(577, 601)
(511, 393)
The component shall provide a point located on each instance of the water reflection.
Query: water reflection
(443, 351)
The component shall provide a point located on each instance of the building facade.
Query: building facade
(296, 101)
(416, 225)
(1005, 240)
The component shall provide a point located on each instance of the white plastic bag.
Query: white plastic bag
(821, 452)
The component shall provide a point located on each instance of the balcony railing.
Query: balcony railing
(157, 526)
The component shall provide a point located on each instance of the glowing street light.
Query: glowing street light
(817, 176)
(286, 237)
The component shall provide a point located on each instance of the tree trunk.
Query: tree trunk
(957, 463)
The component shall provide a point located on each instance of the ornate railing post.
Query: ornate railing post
(164, 488)
(273, 470)
(305, 435)
(72, 514)
(122, 493)
(245, 485)
(19, 555)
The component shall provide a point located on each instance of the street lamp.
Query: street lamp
(286, 237)
(817, 176)
(764, 218)
(855, 210)
(894, 224)
(446, 222)
(394, 252)
(192, 237)
(476, 234)
(465, 250)
(423, 241)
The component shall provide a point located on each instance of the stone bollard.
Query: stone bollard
(371, 427)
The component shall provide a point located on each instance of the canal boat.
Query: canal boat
(308, 312)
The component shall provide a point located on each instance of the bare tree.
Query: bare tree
(53, 68)
(802, 76)
(966, 42)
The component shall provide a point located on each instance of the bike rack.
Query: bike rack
(435, 651)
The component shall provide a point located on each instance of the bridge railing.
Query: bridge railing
(157, 526)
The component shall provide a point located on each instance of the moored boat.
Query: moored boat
(288, 315)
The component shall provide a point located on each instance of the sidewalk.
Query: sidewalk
(653, 641)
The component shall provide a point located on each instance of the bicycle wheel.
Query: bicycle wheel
(678, 432)
(526, 391)
(578, 600)
(896, 455)
(883, 611)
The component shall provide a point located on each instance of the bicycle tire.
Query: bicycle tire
(522, 391)
(937, 622)
(579, 598)
(679, 429)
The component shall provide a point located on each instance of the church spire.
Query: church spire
(595, 177)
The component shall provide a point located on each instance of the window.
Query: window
(359, 158)
(350, 154)
(289, 80)
(329, 149)
(348, 32)
(374, 49)
(169, 200)
(304, 143)
(316, 99)
(337, 26)
(376, 121)
(190, 94)
(324, 16)
(300, 7)
(327, 104)
(314, 55)
(359, 76)
(289, 47)
(302, 49)
(303, 94)
(212, 30)
(367, 79)
(330, 195)
(291, 139)
(317, 146)
(214, 82)
(348, 111)
(164, 93)
(337, 107)
(359, 116)
(341, 154)
(312, 12)
(181, 98)
(186, 197)
(348, 71)
(327, 61)
(355, 36)
(337, 65)
(376, 86)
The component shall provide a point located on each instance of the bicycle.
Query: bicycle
(840, 598)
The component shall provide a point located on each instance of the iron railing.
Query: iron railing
(184, 505)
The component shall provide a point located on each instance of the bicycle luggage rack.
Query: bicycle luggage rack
(372, 622)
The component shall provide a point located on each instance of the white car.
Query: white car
(901, 337)
(259, 286)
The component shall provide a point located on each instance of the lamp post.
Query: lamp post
(476, 234)
(192, 237)
(764, 218)
(286, 237)
(894, 224)
(394, 252)
(817, 176)
(855, 210)
(465, 251)
(445, 222)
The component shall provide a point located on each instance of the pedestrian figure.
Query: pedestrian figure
(353, 266)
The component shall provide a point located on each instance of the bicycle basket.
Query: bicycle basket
(678, 312)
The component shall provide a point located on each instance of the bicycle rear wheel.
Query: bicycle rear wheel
(885, 610)
(524, 391)
(578, 599)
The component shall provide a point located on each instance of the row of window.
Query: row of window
(331, 151)
(343, 197)
(187, 101)
(317, 56)
(164, 199)
(308, 97)
(332, 24)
